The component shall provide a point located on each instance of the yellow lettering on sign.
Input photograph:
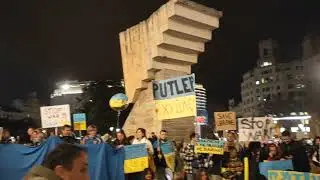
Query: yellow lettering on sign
(176, 107)
(208, 150)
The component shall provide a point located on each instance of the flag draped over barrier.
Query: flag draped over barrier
(136, 158)
(283, 165)
(292, 175)
(105, 163)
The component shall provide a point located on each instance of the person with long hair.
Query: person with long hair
(274, 152)
(121, 139)
(142, 139)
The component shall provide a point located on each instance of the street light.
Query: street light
(65, 86)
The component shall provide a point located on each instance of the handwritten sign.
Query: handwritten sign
(208, 146)
(79, 121)
(175, 98)
(55, 116)
(292, 175)
(174, 87)
(254, 129)
(225, 121)
(264, 167)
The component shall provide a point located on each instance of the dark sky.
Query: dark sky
(44, 41)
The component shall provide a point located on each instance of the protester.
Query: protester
(92, 137)
(7, 138)
(296, 151)
(202, 175)
(65, 162)
(37, 138)
(188, 155)
(254, 155)
(121, 139)
(163, 171)
(131, 139)
(274, 153)
(141, 139)
(67, 135)
(315, 155)
(153, 137)
(148, 174)
(234, 166)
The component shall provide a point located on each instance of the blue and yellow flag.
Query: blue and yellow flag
(291, 175)
(168, 151)
(136, 158)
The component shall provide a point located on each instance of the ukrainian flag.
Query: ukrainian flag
(168, 151)
(136, 158)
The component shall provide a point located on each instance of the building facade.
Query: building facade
(270, 80)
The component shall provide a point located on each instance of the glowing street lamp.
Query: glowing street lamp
(65, 86)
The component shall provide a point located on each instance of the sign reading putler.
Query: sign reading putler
(175, 97)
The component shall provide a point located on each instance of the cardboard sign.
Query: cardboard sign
(292, 175)
(264, 167)
(55, 116)
(254, 129)
(175, 98)
(208, 146)
(225, 121)
(79, 121)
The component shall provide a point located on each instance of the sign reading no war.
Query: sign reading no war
(174, 87)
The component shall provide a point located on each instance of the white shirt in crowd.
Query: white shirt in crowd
(144, 141)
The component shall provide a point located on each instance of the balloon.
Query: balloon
(119, 102)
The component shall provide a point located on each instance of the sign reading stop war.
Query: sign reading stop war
(254, 129)
(225, 121)
(175, 98)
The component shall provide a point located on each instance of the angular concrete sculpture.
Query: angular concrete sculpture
(161, 47)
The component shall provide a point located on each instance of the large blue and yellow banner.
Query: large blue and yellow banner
(175, 97)
(209, 146)
(284, 165)
(291, 175)
(105, 162)
(136, 158)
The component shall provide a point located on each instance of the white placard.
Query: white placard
(255, 129)
(55, 116)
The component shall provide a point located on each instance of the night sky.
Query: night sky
(42, 42)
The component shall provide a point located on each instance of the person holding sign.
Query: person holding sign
(296, 151)
(164, 170)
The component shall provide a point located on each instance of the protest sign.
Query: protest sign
(209, 146)
(168, 151)
(264, 167)
(175, 98)
(225, 121)
(291, 175)
(79, 121)
(55, 116)
(136, 158)
(254, 129)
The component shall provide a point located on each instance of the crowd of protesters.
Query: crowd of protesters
(188, 164)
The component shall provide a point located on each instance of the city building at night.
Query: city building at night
(274, 88)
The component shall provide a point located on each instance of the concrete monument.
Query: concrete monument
(161, 47)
